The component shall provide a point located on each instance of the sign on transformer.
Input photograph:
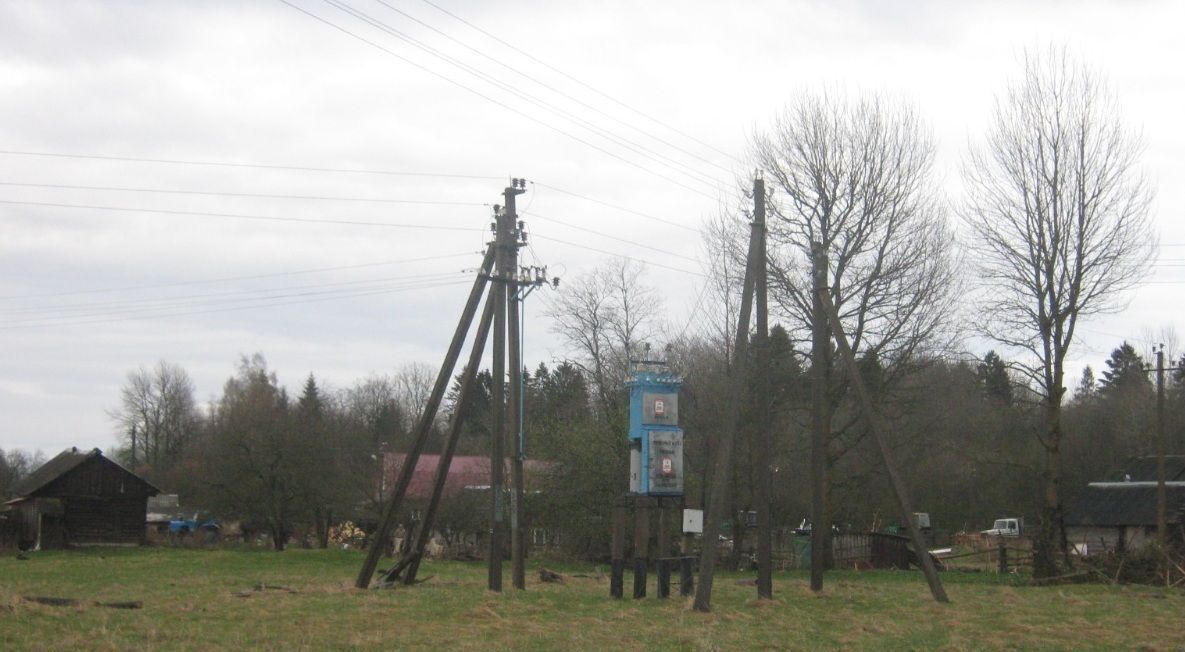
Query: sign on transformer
(656, 442)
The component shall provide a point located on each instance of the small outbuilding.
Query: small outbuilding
(80, 498)
(1120, 514)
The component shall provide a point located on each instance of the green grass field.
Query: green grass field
(190, 603)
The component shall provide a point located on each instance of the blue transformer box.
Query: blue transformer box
(656, 442)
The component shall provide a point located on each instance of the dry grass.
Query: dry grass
(190, 602)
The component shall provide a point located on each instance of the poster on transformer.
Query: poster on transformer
(660, 409)
(666, 462)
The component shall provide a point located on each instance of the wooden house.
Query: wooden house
(80, 498)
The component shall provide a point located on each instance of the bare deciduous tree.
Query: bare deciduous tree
(854, 176)
(157, 414)
(725, 238)
(413, 385)
(603, 317)
(15, 465)
(1059, 215)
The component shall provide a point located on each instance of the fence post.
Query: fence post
(1002, 558)
(686, 579)
(617, 567)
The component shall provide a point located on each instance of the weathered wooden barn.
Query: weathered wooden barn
(1120, 514)
(80, 498)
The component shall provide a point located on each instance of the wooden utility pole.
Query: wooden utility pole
(518, 544)
(878, 430)
(504, 244)
(424, 427)
(762, 448)
(718, 500)
(1161, 536)
(820, 356)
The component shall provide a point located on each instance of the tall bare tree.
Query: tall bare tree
(603, 317)
(413, 384)
(157, 414)
(1058, 211)
(854, 176)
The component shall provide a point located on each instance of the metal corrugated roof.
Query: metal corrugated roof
(465, 471)
(1115, 504)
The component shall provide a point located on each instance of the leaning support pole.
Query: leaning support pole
(723, 464)
(424, 427)
(424, 528)
(874, 424)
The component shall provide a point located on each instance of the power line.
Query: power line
(237, 278)
(207, 193)
(85, 319)
(494, 101)
(634, 147)
(270, 218)
(264, 166)
(170, 301)
(617, 254)
(619, 208)
(578, 81)
(612, 237)
(696, 309)
(553, 89)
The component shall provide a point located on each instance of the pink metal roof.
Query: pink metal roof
(466, 471)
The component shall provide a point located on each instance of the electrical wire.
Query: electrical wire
(699, 302)
(552, 88)
(578, 81)
(262, 166)
(240, 216)
(612, 237)
(494, 101)
(239, 307)
(632, 146)
(171, 300)
(206, 193)
(618, 255)
(619, 208)
(226, 279)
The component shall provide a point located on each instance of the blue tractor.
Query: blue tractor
(208, 529)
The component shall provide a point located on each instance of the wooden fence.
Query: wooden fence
(1002, 559)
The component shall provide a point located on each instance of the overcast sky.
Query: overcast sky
(88, 293)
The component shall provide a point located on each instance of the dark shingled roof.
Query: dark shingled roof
(1115, 504)
(63, 463)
